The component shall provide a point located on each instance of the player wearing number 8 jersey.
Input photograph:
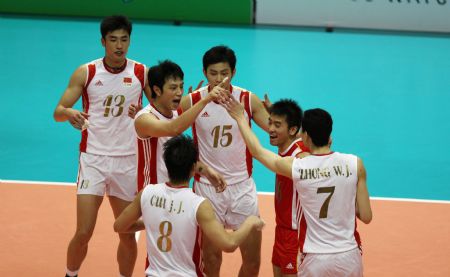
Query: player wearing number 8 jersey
(332, 190)
(107, 86)
(173, 215)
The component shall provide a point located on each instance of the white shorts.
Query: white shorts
(234, 205)
(115, 176)
(348, 264)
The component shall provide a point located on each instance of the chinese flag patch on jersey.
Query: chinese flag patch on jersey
(127, 81)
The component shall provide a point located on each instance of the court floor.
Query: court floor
(388, 94)
(404, 239)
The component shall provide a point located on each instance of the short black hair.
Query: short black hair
(115, 22)
(318, 124)
(159, 74)
(219, 54)
(180, 155)
(291, 110)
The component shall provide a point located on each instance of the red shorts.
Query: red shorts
(285, 250)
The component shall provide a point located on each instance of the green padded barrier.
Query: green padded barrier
(212, 11)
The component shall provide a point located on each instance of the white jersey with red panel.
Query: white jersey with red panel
(219, 140)
(327, 190)
(286, 201)
(151, 168)
(106, 97)
(170, 218)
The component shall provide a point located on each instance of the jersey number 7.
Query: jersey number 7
(324, 208)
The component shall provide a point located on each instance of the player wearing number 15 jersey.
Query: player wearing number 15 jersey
(107, 86)
(222, 148)
(332, 190)
(172, 216)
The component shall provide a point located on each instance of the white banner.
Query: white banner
(406, 15)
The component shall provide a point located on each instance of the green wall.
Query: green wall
(213, 11)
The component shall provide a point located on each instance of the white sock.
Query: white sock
(71, 273)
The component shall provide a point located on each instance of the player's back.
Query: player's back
(327, 190)
(169, 215)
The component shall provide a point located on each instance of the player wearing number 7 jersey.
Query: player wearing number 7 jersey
(107, 86)
(173, 215)
(332, 190)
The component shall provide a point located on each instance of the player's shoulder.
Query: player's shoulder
(135, 62)
(241, 89)
(199, 93)
(146, 110)
(96, 62)
(345, 155)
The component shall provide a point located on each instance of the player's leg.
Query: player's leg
(285, 252)
(348, 263)
(127, 249)
(251, 255)
(121, 191)
(87, 210)
(90, 191)
(212, 256)
(245, 203)
(277, 272)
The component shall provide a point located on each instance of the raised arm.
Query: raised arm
(147, 90)
(64, 110)
(128, 221)
(148, 126)
(364, 211)
(269, 159)
(260, 114)
(222, 239)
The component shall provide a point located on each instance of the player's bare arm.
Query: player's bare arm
(224, 240)
(128, 221)
(64, 110)
(260, 114)
(280, 165)
(364, 211)
(214, 177)
(148, 126)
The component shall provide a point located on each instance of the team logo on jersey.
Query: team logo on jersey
(205, 114)
(127, 81)
(99, 83)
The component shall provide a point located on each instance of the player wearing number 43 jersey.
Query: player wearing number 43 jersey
(107, 86)
(332, 190)
(172, 216)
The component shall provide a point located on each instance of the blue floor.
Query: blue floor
(389, 94)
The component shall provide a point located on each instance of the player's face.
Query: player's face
(215, 73)
(278, 130)
(116, 45)
(172, 93)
